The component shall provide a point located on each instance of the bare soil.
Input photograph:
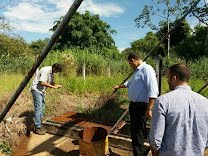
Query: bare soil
(19, 119)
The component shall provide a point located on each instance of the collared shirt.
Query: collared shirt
(179, 125)
(143, 84)
(43, 75)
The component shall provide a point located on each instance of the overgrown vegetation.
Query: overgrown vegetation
(5, 149)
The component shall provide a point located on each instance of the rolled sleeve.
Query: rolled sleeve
(157, 125)
(207, 142)
(127, 83)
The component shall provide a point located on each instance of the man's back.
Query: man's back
(183, 118)
(42, 75)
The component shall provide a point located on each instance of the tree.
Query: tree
(195, 46)
(37, 46)
(142, 46)
(145, 44)
(172, 10)
(4, 25)
(86, 31)
(201, 12)
(180, 33)
(13, 46)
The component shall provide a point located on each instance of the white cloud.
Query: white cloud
(38, 16)
(103, 9)
(121, 49)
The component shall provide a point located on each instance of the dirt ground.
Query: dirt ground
(19, 117)
(51, 145)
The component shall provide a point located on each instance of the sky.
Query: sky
(32, 19)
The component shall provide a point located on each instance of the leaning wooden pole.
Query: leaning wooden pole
(42, 56)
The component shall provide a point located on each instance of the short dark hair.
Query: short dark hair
(58, 67)
(133, 56)
(181, 71)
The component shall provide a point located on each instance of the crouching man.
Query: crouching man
(44, 78)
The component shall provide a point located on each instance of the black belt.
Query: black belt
(138, 102)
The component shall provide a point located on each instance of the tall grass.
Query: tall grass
(199, 68)
(196, 85)
(97, 80)
(92, 85)
(9, 82)
(74, 59)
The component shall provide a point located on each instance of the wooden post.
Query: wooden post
(159, 74)
(109, 71)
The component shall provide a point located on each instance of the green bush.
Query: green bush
(5, 149)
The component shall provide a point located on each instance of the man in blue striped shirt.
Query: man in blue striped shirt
(180, 118)
(142, 92)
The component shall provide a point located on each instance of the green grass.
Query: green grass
(5, 149)
(94, 85)
(9, 83)
(196, 85)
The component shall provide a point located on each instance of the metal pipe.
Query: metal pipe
(203, 87)
(44, 53)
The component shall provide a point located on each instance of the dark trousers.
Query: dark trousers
(138, 126)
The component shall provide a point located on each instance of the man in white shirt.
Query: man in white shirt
(43, 79)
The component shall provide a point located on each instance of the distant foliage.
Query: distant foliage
(199, 68)
(74, 59)
(37, 46)
(194, 46)
(4, 25)
(13, 46)
(179, 34)
(5, 149)
(15, 54)
(85, 31)
(145, 44)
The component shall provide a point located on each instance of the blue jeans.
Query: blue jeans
(39, 106)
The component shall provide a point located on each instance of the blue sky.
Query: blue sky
(32, 19)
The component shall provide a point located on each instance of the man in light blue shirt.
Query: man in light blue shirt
(179, 124)
(142, 92)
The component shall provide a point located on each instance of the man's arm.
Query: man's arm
(157, 128)
(150, 107)
(50, 85)
(154, 151)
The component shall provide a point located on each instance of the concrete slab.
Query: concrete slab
(39, 145)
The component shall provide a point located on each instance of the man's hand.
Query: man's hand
(57, 86)
(154, 151)
(148, 113)
(119, 86)
(115, 87)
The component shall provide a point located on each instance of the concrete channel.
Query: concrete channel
(70, 124)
